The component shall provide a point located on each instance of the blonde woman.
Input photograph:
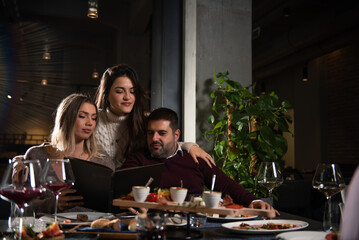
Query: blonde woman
(72, 136)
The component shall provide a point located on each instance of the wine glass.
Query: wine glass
(21, 184)
(270, 176)
(57, 176)
(329, 180)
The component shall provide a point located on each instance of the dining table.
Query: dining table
(212, 229)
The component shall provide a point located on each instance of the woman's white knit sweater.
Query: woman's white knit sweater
(112, 135)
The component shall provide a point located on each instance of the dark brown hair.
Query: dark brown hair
(136, 120)
(165, 114)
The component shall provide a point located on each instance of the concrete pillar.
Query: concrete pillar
(189, 70)
(223, 42)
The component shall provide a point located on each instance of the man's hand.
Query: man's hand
(69, 201)
(195, 151)
(262, 205)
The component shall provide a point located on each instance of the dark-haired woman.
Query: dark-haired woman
(122, 116)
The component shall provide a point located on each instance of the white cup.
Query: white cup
(211, 198)
(178, 194)
(140, 193)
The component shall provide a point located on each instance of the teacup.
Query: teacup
(178, 194)
(140, 193)
(211, 198)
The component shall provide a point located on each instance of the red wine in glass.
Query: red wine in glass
(57, 176)
(56, 188)
(21, 184)
(22, 196)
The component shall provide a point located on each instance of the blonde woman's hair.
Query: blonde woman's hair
(63, 133)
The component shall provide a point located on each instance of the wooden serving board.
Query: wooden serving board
(104, 235)
(197, 209)
(109, 235)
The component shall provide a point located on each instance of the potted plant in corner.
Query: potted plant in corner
(247, 129)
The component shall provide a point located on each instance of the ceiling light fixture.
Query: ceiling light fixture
(9, 96)
(46, 55)
(305, 73)
(44, 82)
(95, 73)
(286, 12)
(92, 11)
(22, 98)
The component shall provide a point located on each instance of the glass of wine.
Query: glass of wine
(21, 184)
(57, 176)
(329, 180)
(270, 176)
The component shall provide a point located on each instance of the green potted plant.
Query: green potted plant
(246, 129)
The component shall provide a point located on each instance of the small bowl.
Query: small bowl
(178, 194)
(211, 198)
(140, 193)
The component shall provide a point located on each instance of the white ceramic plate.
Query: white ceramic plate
(298, 225)
(172, 224)
(91, 217)
(230, 218)
(302, 235)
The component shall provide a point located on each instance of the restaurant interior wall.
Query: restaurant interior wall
(284, 44)
(326, 109)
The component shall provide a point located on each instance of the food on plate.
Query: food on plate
(174, 219)
(152, 197)
(100, 223)
(199, 201)
(27, 233)
(52, 232)
(132, 225)
(128, 197)
(82, 217)
(106, 223)
(234, 206)
(267, 226)
(332, 236)
(228, 203)
(163, 196)
(163, 193)
(115, 224)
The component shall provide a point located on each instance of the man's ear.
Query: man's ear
(177, 134)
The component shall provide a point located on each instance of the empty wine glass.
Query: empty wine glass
(21, 184)
(329, 180)
(270, 176)
(57, 176)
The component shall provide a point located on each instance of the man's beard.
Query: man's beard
(162, 152)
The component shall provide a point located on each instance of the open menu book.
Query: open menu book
(99, 185)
